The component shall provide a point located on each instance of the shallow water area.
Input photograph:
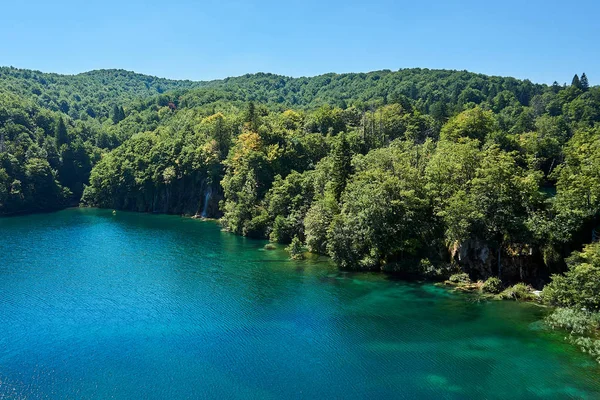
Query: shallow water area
(101, 305)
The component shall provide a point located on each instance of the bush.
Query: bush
(578, 322)
(583, 327)
(580, 286)
(427, 269)
(296, 249)
(460, 278)
(257, 227)
(520, 291)
(283, 230)
(493, 285)
(588, 345)
(270, 246)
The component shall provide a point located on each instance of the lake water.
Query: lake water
(133, 306)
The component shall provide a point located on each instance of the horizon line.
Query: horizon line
(278, 74)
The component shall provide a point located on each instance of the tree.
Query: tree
(295, 249)
(247, 179)
(580, 285)
(76, 166)
(318, 221)
(576, 82)
(60, 132)
(439, 111)
(555, 87)
(116, 114)
(577, 198)
(451, 168)
(342, 165)
(584, 84)
(495, 205)
(288, 202)
(475, 123)
(328, 119)
(385, 216)
(251, 117)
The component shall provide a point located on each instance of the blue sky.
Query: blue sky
(539, 40)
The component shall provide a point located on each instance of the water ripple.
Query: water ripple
(142, 306)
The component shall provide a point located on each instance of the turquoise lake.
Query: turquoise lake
(134, 306)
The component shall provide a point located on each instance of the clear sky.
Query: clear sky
(183, 39)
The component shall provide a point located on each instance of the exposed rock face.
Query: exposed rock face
(474, 257)
(210, 203)
(480, 261)
(201, 199)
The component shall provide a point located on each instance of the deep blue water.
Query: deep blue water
(132, 306)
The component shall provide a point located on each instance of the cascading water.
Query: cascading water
(206, 200)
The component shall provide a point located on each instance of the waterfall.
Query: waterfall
(206, 200)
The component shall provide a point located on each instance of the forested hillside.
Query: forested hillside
(432, 90)
(89, 95)
(400, 171)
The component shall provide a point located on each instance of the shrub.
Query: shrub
(492, 285)
(588, 345)
(580, 286)
(460, 278)
(270, 246)
(426, 269)
(520, 291)
(583, 327)
(282, 227)
(296, 249)
(578, 322)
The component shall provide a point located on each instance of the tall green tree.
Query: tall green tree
(580, 285)
(475, 123)
(495, 205)
(385, 216)
(342, 165)
(116, 114)
(576, 82)
(60, 133)
(585, 85)
(251, 117)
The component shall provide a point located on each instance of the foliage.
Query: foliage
(475, 123)
(578, 184)
(578, 322)
(583, 327)
(580, 286)
(43, 164)
(588, 345)
(492, 285)
(295, 249)
(461, 277)
(169, 170)
(520, 291)
(89, 95)
(384, 218)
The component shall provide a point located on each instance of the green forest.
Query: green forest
(418, 172)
